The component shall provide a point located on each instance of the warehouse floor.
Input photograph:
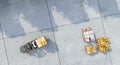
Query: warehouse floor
(61, 22)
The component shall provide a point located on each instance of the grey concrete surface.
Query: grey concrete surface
(109, 7)
(3, 58)
(24, 17)
(72, 11)
(71, 45)
(112, 27)
(1, 36)
(61, 21)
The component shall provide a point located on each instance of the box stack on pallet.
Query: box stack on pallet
(89, 37)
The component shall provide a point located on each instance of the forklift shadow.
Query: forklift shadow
(51, 47)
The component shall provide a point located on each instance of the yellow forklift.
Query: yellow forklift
(37, 43)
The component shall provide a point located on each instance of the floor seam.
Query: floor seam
(58, 26)
(53, 32)
(76, 22)
(104, 28)
(26, 33)
(4, 46)
(112, 14)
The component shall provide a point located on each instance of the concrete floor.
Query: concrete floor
(61, 21)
